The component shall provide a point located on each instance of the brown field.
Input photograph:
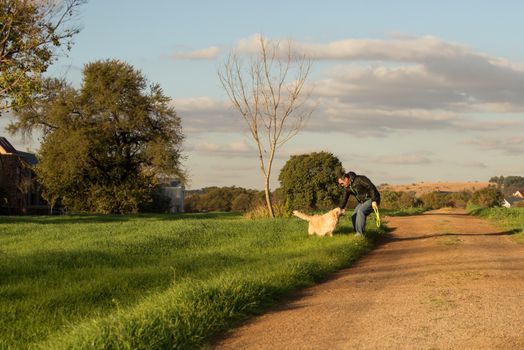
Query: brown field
(425, 187)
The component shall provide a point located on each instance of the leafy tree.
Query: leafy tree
(105, 144)
(499, 180)
(460, 199)
(436, 200)
(243, 202)
(223, 199)
(309, 181)
(512, 184)
(508, 184)
(397, 200)
(486, 197)
(31, 34)
(389, 199)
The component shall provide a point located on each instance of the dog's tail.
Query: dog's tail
(301, 215)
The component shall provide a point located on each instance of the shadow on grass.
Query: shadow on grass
(100, 218)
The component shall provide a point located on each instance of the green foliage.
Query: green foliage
(498, 180)
(436, 200)
(309, 181)
(152, 281)
(508, 218)
(223, 199)
(31, 33)
(508, 184)
(398, 200)
(512, 184)
(460, 199)
(104, 145)
(486, 197)
(159, 203)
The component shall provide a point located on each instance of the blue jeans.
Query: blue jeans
(359, 216)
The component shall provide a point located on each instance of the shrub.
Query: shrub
(398, 200)
(460, 199)
(487, 197)
(310, 180)
(436, 200)
(223, 199)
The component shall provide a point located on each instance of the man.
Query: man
(366, 194)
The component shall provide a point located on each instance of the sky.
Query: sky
(404, 91)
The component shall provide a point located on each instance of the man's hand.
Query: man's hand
(374, 205)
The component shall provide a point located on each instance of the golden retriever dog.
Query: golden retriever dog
(322, 225)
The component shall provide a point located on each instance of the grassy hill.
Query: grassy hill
(421, 188)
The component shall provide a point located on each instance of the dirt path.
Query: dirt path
(445, 280)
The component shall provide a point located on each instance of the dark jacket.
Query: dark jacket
(362, 188)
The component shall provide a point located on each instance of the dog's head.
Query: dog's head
(337, 212)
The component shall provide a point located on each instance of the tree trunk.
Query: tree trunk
(268, 198)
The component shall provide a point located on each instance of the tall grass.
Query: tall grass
(507, 218)
(149, 282)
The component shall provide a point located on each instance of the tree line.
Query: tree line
(508, 184)
(309, 182)
(238, 199)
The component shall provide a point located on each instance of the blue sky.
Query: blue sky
(407, 91)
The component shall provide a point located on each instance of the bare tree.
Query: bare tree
(270, 96)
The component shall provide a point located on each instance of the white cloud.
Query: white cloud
(233, 148)
(510, 145)
(203, 54)
(410, 73)
(206, 114)
(404, 49)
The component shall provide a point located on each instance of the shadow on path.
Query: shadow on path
(504, 233)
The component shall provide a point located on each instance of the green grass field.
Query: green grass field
(507, 218)
(153, 281)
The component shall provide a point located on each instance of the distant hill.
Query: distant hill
(425, 187)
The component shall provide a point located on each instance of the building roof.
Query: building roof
(7, 148)
(512, 200)
(30, 158)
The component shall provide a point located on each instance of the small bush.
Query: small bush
(436, 200)
(223, 199)
(398, 200)
(460, 199)
(488, 197)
